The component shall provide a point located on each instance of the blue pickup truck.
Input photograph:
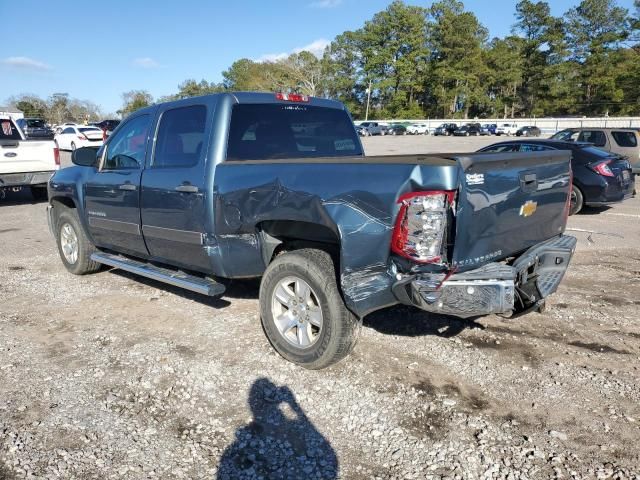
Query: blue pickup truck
(240, 185)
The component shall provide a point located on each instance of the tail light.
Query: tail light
(567, 207)
(603, 169)
(292, 97)
(421, 224)
(56, 156)
(82, 137)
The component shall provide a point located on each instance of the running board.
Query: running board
(176, 278)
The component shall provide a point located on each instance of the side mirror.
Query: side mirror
(85, 157)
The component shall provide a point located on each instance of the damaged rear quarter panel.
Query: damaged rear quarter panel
(356, 198)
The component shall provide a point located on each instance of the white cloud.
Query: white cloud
(316, 47)
(145, 62)
(325, 3)
(26, 63)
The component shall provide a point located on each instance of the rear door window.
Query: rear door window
(597, 137)
(534, 148)
(511, 147)
(276, 131)
(180, 138)
(625, 139)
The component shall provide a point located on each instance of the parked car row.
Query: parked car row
(367, 129)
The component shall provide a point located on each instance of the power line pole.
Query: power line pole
(366, 115)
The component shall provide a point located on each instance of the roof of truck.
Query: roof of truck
(257, 98)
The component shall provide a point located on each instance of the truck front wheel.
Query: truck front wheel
(73, 245)
(302, 311)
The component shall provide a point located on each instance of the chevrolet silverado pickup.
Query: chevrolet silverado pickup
(241, 185)
(25, 163)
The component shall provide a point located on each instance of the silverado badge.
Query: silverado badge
(529, 208)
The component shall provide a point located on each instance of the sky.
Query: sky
(96, 50)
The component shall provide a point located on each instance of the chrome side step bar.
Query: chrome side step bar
(205, 286)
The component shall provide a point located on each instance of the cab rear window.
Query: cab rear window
(276, 131)
(625, 139)
(8, 130)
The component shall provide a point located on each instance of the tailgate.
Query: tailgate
(507, 203)
(20, 156)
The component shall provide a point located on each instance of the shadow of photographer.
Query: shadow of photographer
(280, 442)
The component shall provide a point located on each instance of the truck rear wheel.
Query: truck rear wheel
(73, 245)
(302, 311)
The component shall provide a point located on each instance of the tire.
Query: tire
(73, 147)
(68, 219)
(466, 134)
(577, 200)
(339, 328)
(39, 193)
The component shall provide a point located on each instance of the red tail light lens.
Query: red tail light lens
(421, 224)
(603, 169)
(56, 156)
(567, 207)
(82, 137)
(292, 97)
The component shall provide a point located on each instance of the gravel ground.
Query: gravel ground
(110, 376)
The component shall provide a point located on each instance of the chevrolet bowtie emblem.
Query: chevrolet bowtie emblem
(529, 208)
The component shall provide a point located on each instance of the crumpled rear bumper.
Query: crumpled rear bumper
(493, 288)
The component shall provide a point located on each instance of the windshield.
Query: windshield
(270, 131)
(36, 124)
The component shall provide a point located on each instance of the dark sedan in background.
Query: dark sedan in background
(468, 129)
(35, 128)
(528, 132)
(397, 129)
(599, 177)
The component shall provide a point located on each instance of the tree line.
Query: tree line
(439, 62)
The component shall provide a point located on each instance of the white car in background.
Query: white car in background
(78, 136)
(507, 129)
(418, 129)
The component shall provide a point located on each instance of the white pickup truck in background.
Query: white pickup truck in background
(25, 163)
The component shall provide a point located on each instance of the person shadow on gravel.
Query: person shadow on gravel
(279, 443)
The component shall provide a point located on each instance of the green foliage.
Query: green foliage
(409, 61)
(57, 109)
(134, 100)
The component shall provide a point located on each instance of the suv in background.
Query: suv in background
(507, 129)
(623, 141)
(35, 128)
(446, 129)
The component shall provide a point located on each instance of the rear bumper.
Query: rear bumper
(22, 179)
(493, 288)
(608, 192)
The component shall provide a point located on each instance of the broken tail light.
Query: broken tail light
(421, 224)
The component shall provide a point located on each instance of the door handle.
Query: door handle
(127, 186)
(187, 189)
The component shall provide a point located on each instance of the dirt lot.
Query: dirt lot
(110, 376)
